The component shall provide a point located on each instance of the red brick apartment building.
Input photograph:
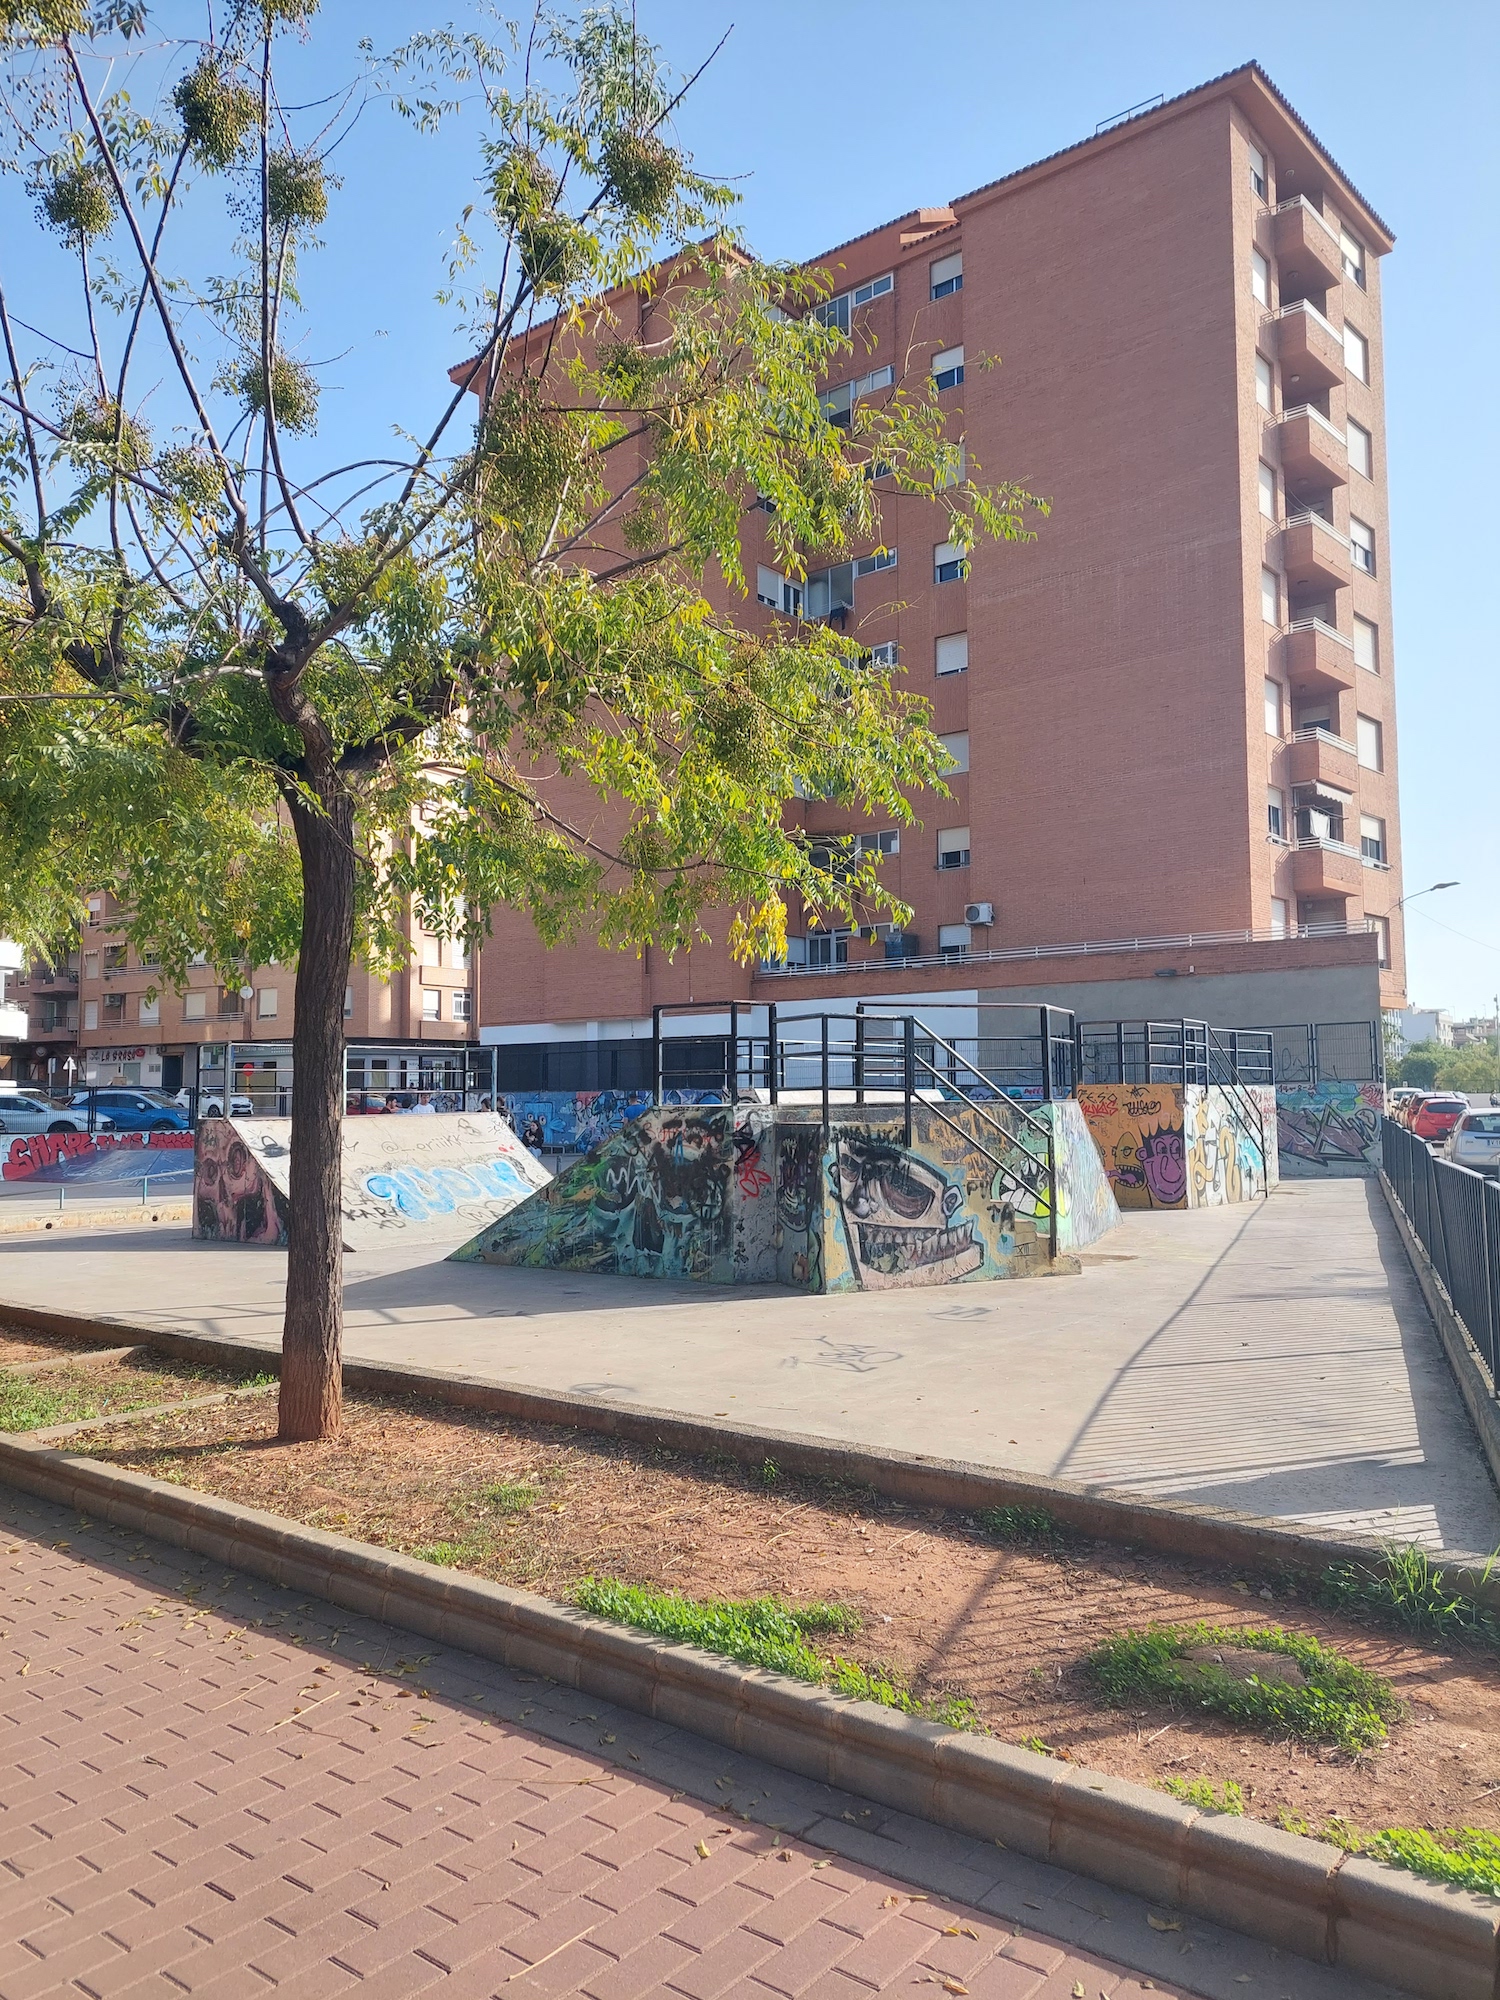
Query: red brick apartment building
(1173, 714)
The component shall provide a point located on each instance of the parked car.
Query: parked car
(1436, 1115)
(1475, 1142)
(125, 1111)
(33, 1111)
(1397, 1100)
(211, 1104)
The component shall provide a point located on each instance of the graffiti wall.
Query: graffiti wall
(1182, 1146)
(98, 1156)
(748, 1194)
(405, 1179)
(1329, 1130)
(234, 1199)
(572, 1121)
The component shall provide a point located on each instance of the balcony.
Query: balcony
(1317, 659)
(1318, 757)
(1326, 868)
(1313, 452)
(1306, 247)
(1310, 350)
(1314, 554)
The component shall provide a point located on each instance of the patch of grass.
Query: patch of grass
(452, 1555)
(37, 1403)
(34, 1406)
(1204, 1793)
(765, 1632)
(1023, 1526)
(509, 1496)
(770, 1472)
(1410, 1589)
(1341, 1703)
(1465, 1856)
(1037, 1746)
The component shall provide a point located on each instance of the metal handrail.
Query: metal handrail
(1333, 846)
(1302, 305)
(1301, 201)
(1310, 410)
(1310, 732)
(1320, 625)
(1306, 514)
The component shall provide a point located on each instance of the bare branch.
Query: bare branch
(32, 454)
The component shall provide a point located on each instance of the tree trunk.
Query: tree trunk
(312, 1381)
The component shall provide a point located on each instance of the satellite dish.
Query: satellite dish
(247, 992)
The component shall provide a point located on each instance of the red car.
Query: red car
(1434, 1117)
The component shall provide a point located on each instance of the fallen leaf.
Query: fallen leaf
(1078, 1989)
(785, 1854)
(702, 1850)
(954, 1986)
(961, 1930)
(824, 1864)
(606, 1739)
(1164, 1923)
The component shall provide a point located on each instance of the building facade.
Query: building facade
(1171, 715)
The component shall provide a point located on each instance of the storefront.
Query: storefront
(138, 1066)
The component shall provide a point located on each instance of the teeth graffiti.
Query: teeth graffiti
(888, 1249)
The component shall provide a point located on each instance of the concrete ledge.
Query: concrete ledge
(88, 1217)
(1470, 1370)
(1214, 1535)
(1439, 1943)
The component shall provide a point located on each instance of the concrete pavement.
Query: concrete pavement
(1275, 1357)
(209, 1786)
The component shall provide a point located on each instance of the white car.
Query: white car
(1475, 1142)
(33, 1111)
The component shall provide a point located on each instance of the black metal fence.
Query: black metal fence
(1144, 1052)
(1455, 1215)
(1314, 1052)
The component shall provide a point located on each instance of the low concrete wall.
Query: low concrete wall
(1329, 1131)
(1301, 1895)
(1172, 1145)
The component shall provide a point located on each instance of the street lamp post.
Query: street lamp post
(1424, 892)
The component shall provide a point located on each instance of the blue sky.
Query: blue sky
(833, 115)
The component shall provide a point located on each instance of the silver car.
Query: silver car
(33, 1111)
(1475, 1142)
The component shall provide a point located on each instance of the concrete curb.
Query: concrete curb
(88, 1218)
(1299, 1894)
(1470, 1370)
(1216, 1535)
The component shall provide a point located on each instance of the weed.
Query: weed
(27, 1405)
(1037, 1747)
(765, 1632)
(1464, 1856)
(770, 1472)
(1204, 1793)
(509, 1497)
(1026, 1526)
(1339, 1703)
(1409, 1589)
(452, 1555)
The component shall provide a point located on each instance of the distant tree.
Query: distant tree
(237, 678)
(1419, 1066)
(1475, 1068)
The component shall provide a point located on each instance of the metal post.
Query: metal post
(1120, 1050)
(909, 1067)
(1046, 1055)
(734, 1051)
(1051, 1192)
(859, 1052)
(823, 1018)
(773, 1066)
(656, 1057)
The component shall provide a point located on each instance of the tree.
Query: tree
(1475, 1068)
(266, 700)
(1419, 1066)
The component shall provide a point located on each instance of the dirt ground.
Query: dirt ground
(943, 1605)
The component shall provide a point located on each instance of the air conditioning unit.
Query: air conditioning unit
(979, 913)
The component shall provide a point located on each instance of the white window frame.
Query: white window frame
(954, 941)
(463, 1004)
(1361, 456)
(1366, 644)
(1280, 916)
(953, 841)
(1266, 484)
(91, 1013)
(1369, 737)
(1356, 353)
(956, 743)
(195, 1006)
(150, 1010)
(432, 1003)
(951, 556)
(1258, 182)
(1260, 278)
(838, 311)
(1275, 708)
(267, 1003)
(952, 647)
(948, 368)
(1352, 256)
(1372, 843)
(886, 654)
(1265, 379)
(1381, 926)
(1270, 596)
(1276, 811)
(951, 279)
(1362, 545)
(839, 402)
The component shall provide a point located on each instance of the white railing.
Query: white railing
(1008, 954)
(1322, 521)
(1311, 733)
(1307, 410)
(1323, 630)
(1301, 201)
(1302, 306)
(1326, 844)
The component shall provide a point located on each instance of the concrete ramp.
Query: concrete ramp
(754, 1194)
(407, 1178)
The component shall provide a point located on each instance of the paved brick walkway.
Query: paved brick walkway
(209, 1786)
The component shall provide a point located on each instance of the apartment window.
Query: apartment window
(432, 1003)
(96, 906)
(91, 965)
(1270, 596)
(1371, 838)
(950, 562)
(1356, 353)
(952, 653)
(1258, 171)
(838, 404)
(1362, 546)
(114, 1010)
(194, 1006)
(1265, 383)
(948, 368)
(1368, 742)
(954, 941)
(1361, 449)
(114, 958)
(267, 1003)
(1273, 707)
(150, 1010)
(1275, 812)
(348, 1003)
(835, 312)
(1267, 491)
(832, 590)
(886, 654)
(1352, 256)
(463, 1004)
(953, 847)
(458, 955)
(1382, 929)
(772, 588)
(957, 747)
(948, 275)
(1279, 915)
(432, 949)
(231, 1003)
(1260, 278)
(91, 1013)
(1366, 644)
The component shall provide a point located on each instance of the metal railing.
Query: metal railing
(1314, 732)
(1311, 410)
(1177, 1052)
(1455, 1215)
(1308, 1053)
(1323, 629)
(1301, 305)
(1301, 201)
